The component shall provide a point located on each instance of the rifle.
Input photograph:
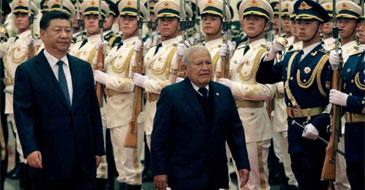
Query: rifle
(329, 166)
(198, 37)
(31, 50)
(132, 135)
(224, 70)
(100, 58)
(183, 27)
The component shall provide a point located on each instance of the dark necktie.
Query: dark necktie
(246, 49)
(83, 43)
(204, 92)
(158, 47)
(62, 81)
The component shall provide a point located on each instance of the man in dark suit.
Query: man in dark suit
(194, 120)
(57, 113)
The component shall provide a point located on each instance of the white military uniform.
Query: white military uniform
(213, 47)
(17, 53)
(118, 111)
(250, 98)
(158, 68)
(329, 43)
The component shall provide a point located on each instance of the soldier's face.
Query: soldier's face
(91, 24)
(361, 32)
(275, 22)
(57, 37)
(128, 25)
(347, 27)
(168, 26)
(286, 24)
(21, 21)
(327, 28)
(253, 26)
(108, 22)
(308, 29)
(199, 69)
(293, 25)
(211, 24)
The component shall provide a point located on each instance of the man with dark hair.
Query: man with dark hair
(57, 112)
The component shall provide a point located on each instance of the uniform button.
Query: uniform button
(348, 70)
(350, 94)
(305, 80)
(352, 81)
(291, 78)
(363, 102)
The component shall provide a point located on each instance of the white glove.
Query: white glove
(338, 97)
(223, 50)
(225, 82)
(310, 132)
(147, 43)
(139, 80)
(231, 46)
(276, 46)
(138, 46)
(361, 47)
(100, 76)
(181, 49)
(179, 79)
(101, 43)
(334, 60)
(280, 87)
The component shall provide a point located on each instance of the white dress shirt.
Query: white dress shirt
(308, 49)
(52, 61)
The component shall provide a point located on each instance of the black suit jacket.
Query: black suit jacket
(68, 137)
(192, 154)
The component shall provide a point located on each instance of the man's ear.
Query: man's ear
(42, 34)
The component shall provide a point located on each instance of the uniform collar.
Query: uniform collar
(169, 42)
(93, 37)
(257, 43)
(348, 49)
(130, 40)
(24, 34)
(310, 48)
(213, 43)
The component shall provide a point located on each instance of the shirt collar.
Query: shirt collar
(24, 34)
(52, 60)
(308, 49)
(214, 42)
(196, 88)
(130, 40)
(169, 42)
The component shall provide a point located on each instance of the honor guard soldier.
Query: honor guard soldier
(328, 40)
(285, 22)
(352, 98)
(275, 20)
(297, 44)
(307, 79)
(120, 96)
(212, 23)
(19, 50)
(160, 62)
(87, 49)
(347, 15)
(250, 96)
(110, 36)
(77, 23)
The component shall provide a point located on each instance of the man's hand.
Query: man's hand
(98, 160)
(334, 60)
(34, 160)
(100, 76)
(244, 174)
(160, 182)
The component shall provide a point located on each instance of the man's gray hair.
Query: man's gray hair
(190, 50)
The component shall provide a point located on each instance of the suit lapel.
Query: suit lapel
(75, 79)
(194, 103)
(49, 77)
(216, 99)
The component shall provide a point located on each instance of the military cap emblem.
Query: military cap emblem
(253, 2)
(304, 6)
(166, 4)
(307, 70)
(92, 3)
(210, 2)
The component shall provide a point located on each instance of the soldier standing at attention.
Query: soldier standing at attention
(352, 98)
(307, 80)
(160, 62)
(19, 50)
(212, 23)
(120, 96)
(250, 95)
